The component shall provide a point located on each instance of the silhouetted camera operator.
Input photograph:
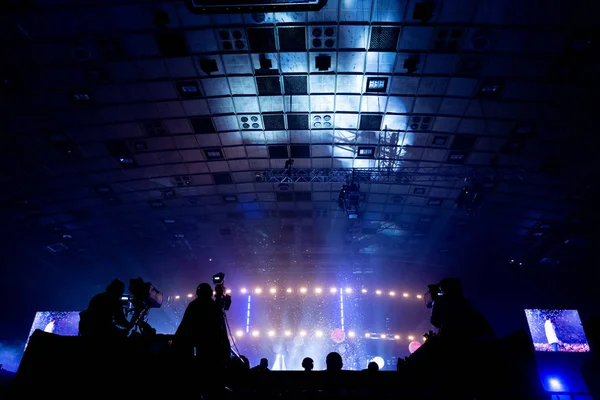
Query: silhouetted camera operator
(454, 315)
(104, 316)
(201, 329)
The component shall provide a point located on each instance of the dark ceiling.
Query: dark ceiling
(140, 138)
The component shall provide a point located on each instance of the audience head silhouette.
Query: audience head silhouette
(334, 361)
(373, 366)
(264, 363)
(204, 291)
(308, 364)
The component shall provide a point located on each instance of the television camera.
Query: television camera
(141, 298)
(222, 299)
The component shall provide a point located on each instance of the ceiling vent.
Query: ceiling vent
(249, 122)
(323, 37)
(321, 121)
(421, 123)
(232, 39)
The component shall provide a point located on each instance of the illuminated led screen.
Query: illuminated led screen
(65, 323)
(556, 331)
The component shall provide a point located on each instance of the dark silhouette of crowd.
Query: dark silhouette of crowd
(198, 357)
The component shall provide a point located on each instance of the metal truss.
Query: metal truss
(396, 175)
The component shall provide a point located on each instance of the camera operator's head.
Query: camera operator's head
(451, 287)
(204, 291)
(116, 288)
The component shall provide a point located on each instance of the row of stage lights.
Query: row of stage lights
(317, 290)
(319, 334)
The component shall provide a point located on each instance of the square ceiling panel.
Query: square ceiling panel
(262, 40)
(292, 39)
(273, 122)
(226, 123)
(203, 125)
(296, 103)
(351, 62)
(172, 44)
(463, 142)
(300, 151)
(268, 85)
(370, 122)
(352, 37)
(278, 152)
(237, 63)
(246, 104)
(295, 84)
(242, 85)
(297, 121)
(322, 83)
(215, 87)
(293, 62)
(346, 121)
(384, 38)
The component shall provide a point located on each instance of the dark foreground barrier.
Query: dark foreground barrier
(72, 367)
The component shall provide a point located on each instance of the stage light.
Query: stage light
(255, 333)
(348, 290)
(273, 290)
(302, 333)
(411, 338)
(271, 333)
(319, 333)
(214, 293)
(318, 290)
(364, 290)
(190, 295)
(383, 336)
(177, 297)
(555, 385)
(303, 290)
(367, 335)
(258, 290)
(287, 333)
(424, 338)
(419, 296)
(228, 291)
(392, 293)
(405, 294)
(396, 337)
(288, 290)
(333, 290)
(378, 292)
(351, 334)
(243, 291)
(239, 333)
